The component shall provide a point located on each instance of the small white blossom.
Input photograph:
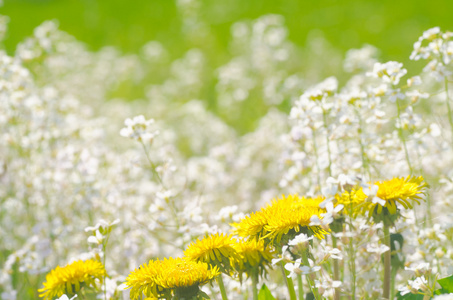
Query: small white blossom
(65, 297)
(390, 72)
(335, 253)
(293, 268)
(379, 249)
(139, 129)
(413, 81)
(420, 269)
(300, 239)
(282, 256)
(371, 192)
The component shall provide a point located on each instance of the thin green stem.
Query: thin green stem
(255, 284)
(365, 160)
(428, 216)
(336, 269)
(392, 283)
(288, 281)
(104, 250)
(315, 148)
(403, 139)
(324, 116)
(156, 174)
(313, 289)
(152, 165)
(351, 251)
(222, 287)
(387, 263)
(300, 286)
(352, 267)
(447, 100)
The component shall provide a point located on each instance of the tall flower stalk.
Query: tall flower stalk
(447, 101)
(402, 137)
(387, 263)
(289, 282)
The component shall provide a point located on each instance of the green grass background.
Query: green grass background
(390, 25)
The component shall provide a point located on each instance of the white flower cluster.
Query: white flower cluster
(436, 47)
(390, 72)
(139, 129)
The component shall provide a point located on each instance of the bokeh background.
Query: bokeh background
(180, 25)
(390, 25)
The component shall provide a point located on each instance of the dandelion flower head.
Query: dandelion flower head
(68, 279)
(289, 214)
(162, 278)
(215, 249)
(400, 190)
(389, 193)
(353, 201)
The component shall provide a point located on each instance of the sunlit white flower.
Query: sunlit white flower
(379, 249)
(413, 81)
(413, 286)
(390, 72)
(139, 129)
(415, 95)
(431, 33)
(96, 239)
(371, 192)
(102, 224)
(335, 253)
(343, 181)
(420, 269)
(282, 256)
(300, 239)
(64, 297)
(293, 268)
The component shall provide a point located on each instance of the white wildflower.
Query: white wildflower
(139, 129)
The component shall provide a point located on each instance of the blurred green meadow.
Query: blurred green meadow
(391, 26)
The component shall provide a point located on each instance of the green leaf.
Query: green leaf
(265, 294)
(409, 297)
(446, 284)
(203, 295)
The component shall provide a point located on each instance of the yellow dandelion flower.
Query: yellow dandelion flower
(216, 250)
(253, 255)
(177, 276)
(68, 279)
(400, 190)
(354, 201)
(251, 226)
(293, 213)
(288, 214)
(183, 273)
(143, 280)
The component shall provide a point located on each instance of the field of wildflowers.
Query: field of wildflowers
(339, 189)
